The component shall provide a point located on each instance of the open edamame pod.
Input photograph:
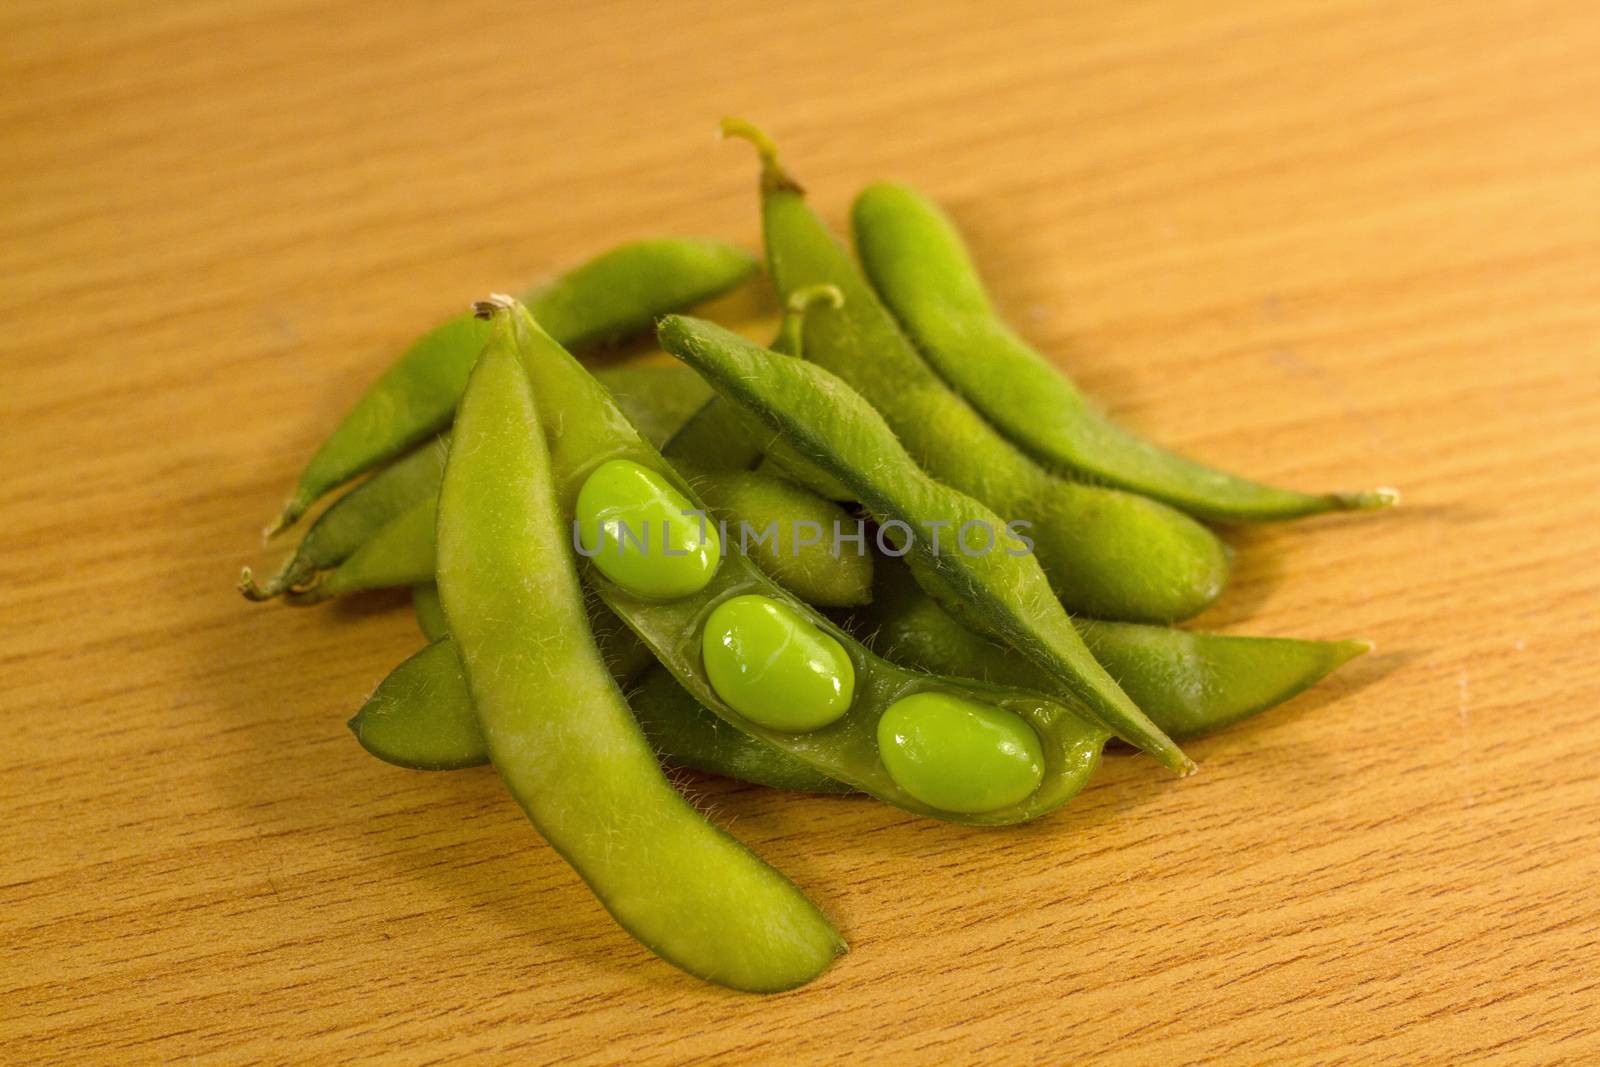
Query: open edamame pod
(557, 728)
(617, 293)
(921, 269)
(1002, 589)
(1109, 554)
(773, 653)
(1188, 683)
(421, 717)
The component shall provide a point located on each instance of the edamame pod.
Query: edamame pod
(919, 266)
(421, 717)
(593, 433)
(617, 293)
(429, 612)
(354, 518)
(399, 553)
(809, 545)
(1188, 683)
(716, 438)
(1002, 589)
(657, 400)
(557, 728)
(1109, 554)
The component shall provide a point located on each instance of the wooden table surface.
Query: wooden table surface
(1330, 243)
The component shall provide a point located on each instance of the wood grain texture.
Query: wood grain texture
(1329, 243)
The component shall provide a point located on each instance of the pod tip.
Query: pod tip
(1382, 497)
(253, 592)
(496, 303)
(1349, 650)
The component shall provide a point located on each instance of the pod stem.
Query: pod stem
(496, 304)
(791, 331)
(773, 177)
(260, 594)
(291, 577)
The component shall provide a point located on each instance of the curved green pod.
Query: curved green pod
(618, 293)
(354, 518)
(920, 267)
(1188, 683)
(558, 730)
(717, 438)
(594, 433)
(1108, 553)
(1004, 589)
(421, 717)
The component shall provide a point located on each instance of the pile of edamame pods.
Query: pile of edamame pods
(736, 566)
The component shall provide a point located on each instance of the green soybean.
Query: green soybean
(1188, 683)
(1109, 554)
(557, 728)
(774, 667)
(845, 750)
(618, 293)
(421, 717)
(622, 508)
(1003, 590)
(958, 754)
(920, 267)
